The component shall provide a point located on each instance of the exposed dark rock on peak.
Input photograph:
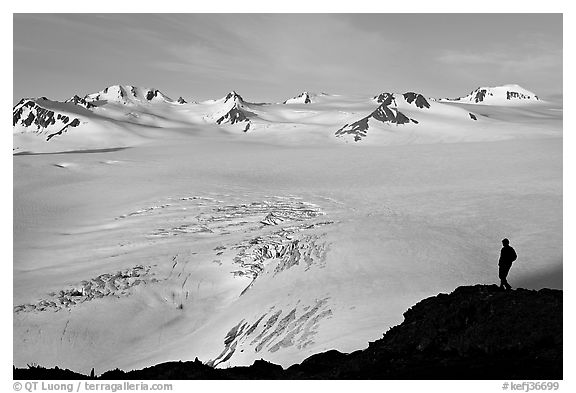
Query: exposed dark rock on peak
(521, 96)
(387, 112)
(182, 100)
(24, 102)
(116, 88)
(384, 98)
(475, 332)
(126, 95)
(418, 99)
(73, 123)
(479, 95)
(302, 98)
(29, 115)
(20, 108)
(389, 115)
(233, 116)
(410, 97)
(76, 100)
(237, 112)
(233, 96)
(498, 95)
(151, 94)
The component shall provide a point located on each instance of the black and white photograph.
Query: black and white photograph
(252, 195)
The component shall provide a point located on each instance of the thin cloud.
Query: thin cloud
(504, 60)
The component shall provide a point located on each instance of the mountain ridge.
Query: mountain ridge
(419, 118)
(509, 94)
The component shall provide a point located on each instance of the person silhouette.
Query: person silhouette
(507, 256)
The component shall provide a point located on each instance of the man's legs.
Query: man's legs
(503, 273)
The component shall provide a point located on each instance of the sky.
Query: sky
(272, 57)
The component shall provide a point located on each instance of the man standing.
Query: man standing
(507, 256)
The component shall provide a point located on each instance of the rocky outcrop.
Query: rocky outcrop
(233, 116)
(521, 96)
(412, 98)
(234, 111)
(151, 94)
(475, 332)
(76, 100)
(233, 96)
(29, 115)
(387, 113)
(417, 99)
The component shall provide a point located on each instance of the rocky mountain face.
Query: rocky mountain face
(417, 99)
(475, 332)
(76, 100)
(387, 113)
(34, 115)
(235, 111)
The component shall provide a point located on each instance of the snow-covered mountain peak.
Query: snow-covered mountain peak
(42, 116)
(509, 94)
(115, 93)
(409, 97)
(127, 94)
(384, 98)
(76, 100)
(302, 98)
(234, 97)
(416, 99)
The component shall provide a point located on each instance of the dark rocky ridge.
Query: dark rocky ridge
(387, 112)
(233, 96)
(233, 116)
(76, 100)
(237, 113)
(151, 94)
(476, 332)
(514, 94)
(418, 99)
(29, 113)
